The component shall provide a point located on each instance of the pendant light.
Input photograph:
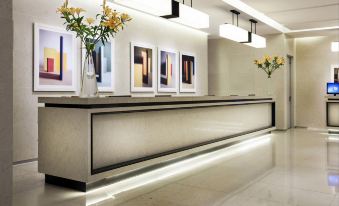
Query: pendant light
(191, 17)
(162, 8)
(255, 40)
(232, 31)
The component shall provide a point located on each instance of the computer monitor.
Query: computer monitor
(333, 88)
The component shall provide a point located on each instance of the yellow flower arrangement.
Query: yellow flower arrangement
(270, 64)
(90, 21)
(110, 22)
(79, 10)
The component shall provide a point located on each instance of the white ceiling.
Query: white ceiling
(293, 14)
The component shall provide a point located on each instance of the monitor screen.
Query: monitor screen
(332, 88)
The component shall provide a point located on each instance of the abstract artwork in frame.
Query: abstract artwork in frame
(103, 59)
(188, 73)
(54, 59)
(335, 73)
(143, 59)
(168, 74)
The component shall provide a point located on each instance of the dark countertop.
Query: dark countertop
(335, 98)
(154, 100)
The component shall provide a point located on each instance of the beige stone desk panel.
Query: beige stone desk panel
(125, 133)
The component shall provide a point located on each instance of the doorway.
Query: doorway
(290, 92)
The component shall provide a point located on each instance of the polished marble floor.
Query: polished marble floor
(294, 168)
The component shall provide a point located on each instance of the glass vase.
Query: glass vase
(89, 86)
(269, 86)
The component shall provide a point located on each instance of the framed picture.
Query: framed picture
(103, 59)
(335, 73)
(55, 55)
(143, 58)
(168, 70)
(188, 73)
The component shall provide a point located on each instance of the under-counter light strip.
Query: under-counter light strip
(174, 169)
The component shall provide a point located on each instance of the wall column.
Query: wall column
(6, 101)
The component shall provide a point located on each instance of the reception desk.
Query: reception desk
(82, 141)
(332, 111)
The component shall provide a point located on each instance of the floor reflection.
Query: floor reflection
(297, 167)
(333, 161)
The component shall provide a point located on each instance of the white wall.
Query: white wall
(144, 28)
(6, 102)
(314, 60)
(232, 71)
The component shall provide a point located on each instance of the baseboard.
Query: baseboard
(317, 129)
(281, 130)
(300, 127)
(62, 182)
(24, 161)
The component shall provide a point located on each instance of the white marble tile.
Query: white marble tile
(235, 200)
(244, 180)
(186, 195)
(147, 201)
(307, 198)
(335, 201)
(253, 202)
(290, 196)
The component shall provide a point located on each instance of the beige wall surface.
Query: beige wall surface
(314, 60)
(143, 29)
(232, 72)
(6, 102)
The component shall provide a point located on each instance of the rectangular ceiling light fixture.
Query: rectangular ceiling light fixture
(191, 17)
(233, 33)
(162, 8)
(257, 41)
(170, 9)
(335, 46)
